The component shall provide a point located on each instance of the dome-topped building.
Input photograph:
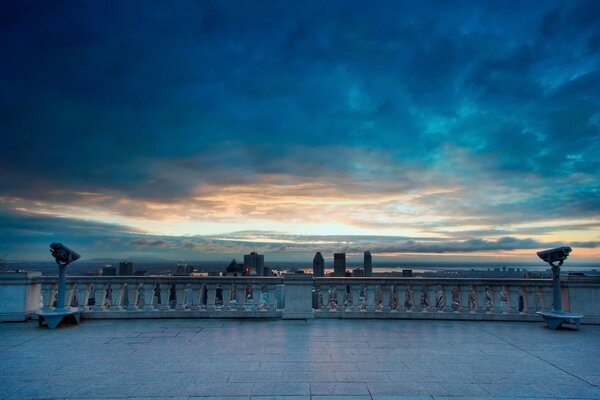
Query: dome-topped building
(234, 269)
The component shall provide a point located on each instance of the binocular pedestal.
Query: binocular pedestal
(52, 318)
(555, 318)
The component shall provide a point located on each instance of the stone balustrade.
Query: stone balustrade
(167, 296)
(432, 298)
(302, 296)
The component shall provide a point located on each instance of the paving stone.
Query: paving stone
(341, 397)
(275, 359)
(279, 398)
(281, 389)
(384, 397)
(339, 388)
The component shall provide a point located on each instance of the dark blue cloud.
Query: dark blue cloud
(151, 101)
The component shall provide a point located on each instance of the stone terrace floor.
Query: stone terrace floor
(294, 360)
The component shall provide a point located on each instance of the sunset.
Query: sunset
(203, 130)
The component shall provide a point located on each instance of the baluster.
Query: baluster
(187, 296)
(409, 302)
(401, 297)
(165, 292)
(132, 296)
(240, 296)
(211, 296)
(84, 295)
(70, 293)
(148, 289)
(385, 294)
(203, 299)
(440, 299)
(99, 296)
(226, 293)
(433, 290)
(180, 294)
(323, 298)
(156, 295)
(340, 296)
(279, 296)
(416, 297)
(371, 297)
(393, 299)
(424, 299)
(117, 296)
(495, 292)
(464, 292)
(256, 293)
(513, 299)
(271, 297)
(481, 292)
(196, 297)
(473, 299)
(522, 300)
(355, 292)
(316, 300)
(504, 299)
(448, 298)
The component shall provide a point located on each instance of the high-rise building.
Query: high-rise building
(109, 270)
(184, 269)
(255, 262)
(368, 264)
(126, 268)
(318, 265)
(339, 264)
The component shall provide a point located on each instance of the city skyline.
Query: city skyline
(206, 130)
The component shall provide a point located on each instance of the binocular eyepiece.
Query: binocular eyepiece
(62, 254)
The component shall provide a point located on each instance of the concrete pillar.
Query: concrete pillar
(19, 296)
(298, 296)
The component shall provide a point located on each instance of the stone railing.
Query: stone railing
(432, 298)
(167, 296)
(299, 296)
(448, 298)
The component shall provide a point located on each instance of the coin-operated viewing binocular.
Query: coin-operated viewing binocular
(62, 254)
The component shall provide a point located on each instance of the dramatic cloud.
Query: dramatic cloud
(460, 126)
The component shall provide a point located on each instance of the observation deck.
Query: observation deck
(298, 338)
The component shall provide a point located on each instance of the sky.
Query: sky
(202, 130)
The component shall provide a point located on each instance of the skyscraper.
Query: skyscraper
(126, 268)
(256, 262)
(368, 264)
(318, 265)
(339, 264)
